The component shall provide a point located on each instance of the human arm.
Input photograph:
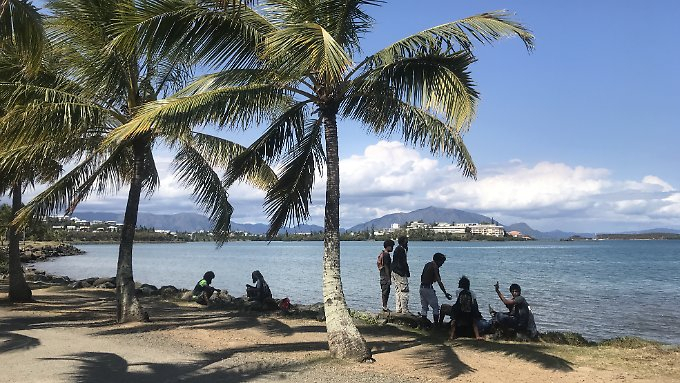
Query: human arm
(441, 285)
(500, 295)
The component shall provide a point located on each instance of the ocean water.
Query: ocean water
(601, 289)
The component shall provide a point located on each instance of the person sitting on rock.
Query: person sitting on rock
(203, 291)
(519, 319)
(260, 291)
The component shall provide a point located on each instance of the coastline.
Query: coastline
(69, 334)
(41, 279)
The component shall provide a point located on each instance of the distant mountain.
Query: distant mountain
(188, 222)
(555, 234)
(650, 231)
(428, 215)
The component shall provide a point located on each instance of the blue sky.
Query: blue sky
(579, 135)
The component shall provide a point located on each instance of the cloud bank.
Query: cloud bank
(389, 177)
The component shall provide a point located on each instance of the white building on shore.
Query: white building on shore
(492, 230)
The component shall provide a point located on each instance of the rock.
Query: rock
(107, 285)
(147, 286)
(147, 290)
(75, 285)
(59, 280)
(100, 281)
(85, 284)
(168, 291)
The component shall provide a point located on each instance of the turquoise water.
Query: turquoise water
(601, 289)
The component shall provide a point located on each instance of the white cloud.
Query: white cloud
(389, 177)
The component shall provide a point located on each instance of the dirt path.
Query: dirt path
(69, 336)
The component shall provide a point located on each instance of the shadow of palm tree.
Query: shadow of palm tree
(108, 367)
(534, 353)
(441, 358)
(13, 342)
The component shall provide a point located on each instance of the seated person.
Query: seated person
(260, 291)
(519, 318)
(203, 291)
(465, 312)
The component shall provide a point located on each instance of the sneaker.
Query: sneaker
(385, 310)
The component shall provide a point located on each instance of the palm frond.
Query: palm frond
(345, 20)
(223, 153)
(41, 113)
(98, 172)
(151, 179)
(194, 171)
(288, 200)
(21, 165)
(385, 115)
(220, 33)
(234, 78)
(21, 25)
(233, 107)
(281, 135)
(434, 81)
(485, 28)
(305, 49)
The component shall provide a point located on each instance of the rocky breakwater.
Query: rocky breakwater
(35, 253)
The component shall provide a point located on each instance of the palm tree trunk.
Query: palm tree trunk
(19, 291)
(344, 339)
(128, 308)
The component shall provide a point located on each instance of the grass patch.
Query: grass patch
(629, 342)
(566, 338)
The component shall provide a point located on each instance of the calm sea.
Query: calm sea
(601, 289)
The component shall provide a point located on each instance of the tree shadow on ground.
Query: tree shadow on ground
(108, 367)
(534, 353)
(13, 342)
(441, 358)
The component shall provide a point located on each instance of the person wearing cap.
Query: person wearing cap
(517, 318)
(428, 297)
(203, 291)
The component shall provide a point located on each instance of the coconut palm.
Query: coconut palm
(307, 75)
(21, 46)
(113, 84)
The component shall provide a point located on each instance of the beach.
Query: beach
(70, 335)
(583, 287)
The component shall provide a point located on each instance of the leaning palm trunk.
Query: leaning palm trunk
(344, 339)
(18, 288)
(129, 308)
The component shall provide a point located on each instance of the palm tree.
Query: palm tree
(112, 85)
(304, 78)
(21, 46)
(13, 179)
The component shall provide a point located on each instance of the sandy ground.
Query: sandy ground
(70, 336)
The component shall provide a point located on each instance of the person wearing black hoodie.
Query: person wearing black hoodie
(400, 275)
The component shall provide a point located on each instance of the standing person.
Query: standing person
(401, 274)
(428, 297)
(203, 291)
(385, 268)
